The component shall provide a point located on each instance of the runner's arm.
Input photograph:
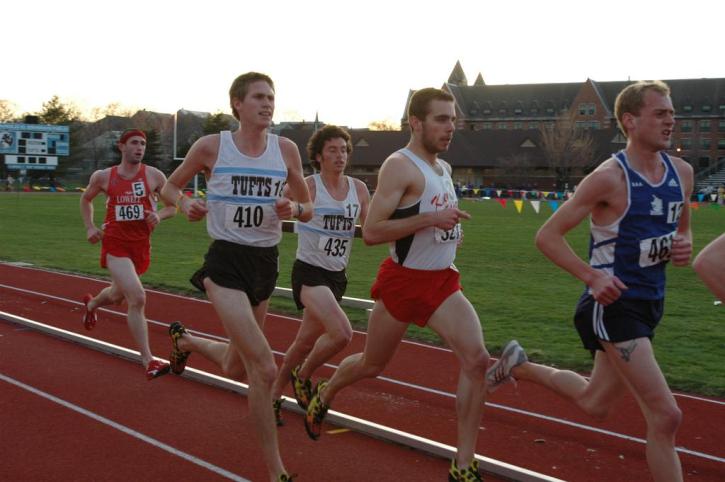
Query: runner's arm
(682, 244)
(394, 180)
(95, 186)
(550, 240)
(301, 207)
(200, 158)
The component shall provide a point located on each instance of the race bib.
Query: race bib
(448, 235)
(655, 250)
(249, 216)
(129, 212)
(335, 247)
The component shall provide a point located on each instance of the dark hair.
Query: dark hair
(240, 86)
(631, 99)
(318, 139)
(420, 101)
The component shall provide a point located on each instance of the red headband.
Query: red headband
(130, 133)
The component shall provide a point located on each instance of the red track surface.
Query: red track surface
(50, 442)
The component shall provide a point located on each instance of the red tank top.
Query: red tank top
(128, 199)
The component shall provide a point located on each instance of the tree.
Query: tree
(8, 113)
(59, 113)
(112, 109)
(383, 125)
(567, 148)
(154, 156)
(218, 122)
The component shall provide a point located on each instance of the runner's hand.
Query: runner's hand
(448, 218)
(285, 208)
(93, 235)
(681, 251)
(607, 289)
(152, 218)
(194, 209)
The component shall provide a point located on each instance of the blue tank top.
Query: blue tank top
(636, 247)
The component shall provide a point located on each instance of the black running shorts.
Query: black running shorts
(623, 320)
(250, 269)
(310, 275)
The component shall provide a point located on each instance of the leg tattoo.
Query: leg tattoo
(626, 351)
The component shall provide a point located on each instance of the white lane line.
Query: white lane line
(433, 390)
(129, 431)
(219, 338)
(198, 300)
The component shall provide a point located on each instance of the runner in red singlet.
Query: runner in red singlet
(131, 189)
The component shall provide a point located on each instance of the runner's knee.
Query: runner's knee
(341, 337)
(666, 421)
(475, 362)
(136, 299)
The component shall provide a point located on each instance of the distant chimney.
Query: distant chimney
(32, 119)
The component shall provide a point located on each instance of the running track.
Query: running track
(189, 425)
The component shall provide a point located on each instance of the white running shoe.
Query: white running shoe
(513, 355)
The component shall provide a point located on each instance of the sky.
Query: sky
(350, 62)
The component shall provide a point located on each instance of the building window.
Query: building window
(594, 124)
(721, 126)
(533, 125)
(686, 126)
(706, 108)
(487, 125)
(582, 109)
(686, 142)
(501, 125)
(721, 143)
(721, 108)
(534, 111)
(518, 125)
(687, 108)
(592, 109)
(549, 110)
(705, 143)
(704, 125)
(486, 111)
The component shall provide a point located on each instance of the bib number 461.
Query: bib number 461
(655, 250)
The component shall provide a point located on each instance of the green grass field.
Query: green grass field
(515, 290)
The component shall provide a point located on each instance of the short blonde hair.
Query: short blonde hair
(631, 98)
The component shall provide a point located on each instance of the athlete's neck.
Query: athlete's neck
(334, 182)
(128, 169)
(645, 161)
(250, 141)
(420, 151)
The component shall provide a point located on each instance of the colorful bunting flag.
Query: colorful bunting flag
(694, 205)
(501, 201)
(519, 205)
(536, 205)
(554, 205)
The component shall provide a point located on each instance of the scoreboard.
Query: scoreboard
(33, 146)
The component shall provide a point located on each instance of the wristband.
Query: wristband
(300, 209)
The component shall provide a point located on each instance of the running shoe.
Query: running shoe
(177, 358)
(277, 406)
(469, 474)
(89, 318)
(302, 388)
(156, 369)
(316, 412)
(513, 355)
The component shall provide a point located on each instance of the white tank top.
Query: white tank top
(241, 193)
(326, 239)
(430, 248)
